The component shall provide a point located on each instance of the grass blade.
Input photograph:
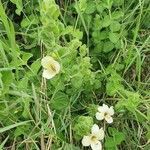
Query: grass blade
(13, 126)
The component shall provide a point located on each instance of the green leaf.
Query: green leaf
(23, 83)
(77, 81)
(98, 48)
(115, 138)
(114, 37)
(82, 126)
(25, 57)
(83, 50)
(77, 34)
(103, 35)
(97, 23)
(81, 5)
(35, 66)
(118, 2)
(108, 46)
(107, 3)
(131, 102)
(106, 21)
(32, 19)
(117, 14)
(114, 81)
(99, 7)
(91, 7)
(113, 87)
(92, 109)
(117, 135)
(60, 101)
(119, 44)
(19, 6)
(7, 79)
(49, 9)
(115, 26)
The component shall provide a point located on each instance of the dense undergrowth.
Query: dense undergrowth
(103, 47)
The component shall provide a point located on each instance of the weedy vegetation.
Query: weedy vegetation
(74, 74)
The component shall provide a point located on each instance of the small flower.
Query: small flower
(104, 112)
(51, 67)
(94, 138)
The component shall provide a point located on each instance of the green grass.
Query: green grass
(103, 48)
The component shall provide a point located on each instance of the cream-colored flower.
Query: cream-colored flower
(51, 67)
(104, 112)
(94, 138)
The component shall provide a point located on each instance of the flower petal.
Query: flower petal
(100, 134)
(46, 61)
(99, 116)
(95, 129)
(111, 111)
(103, 108)
(57, 66)
(48, 74)
(86, 141)
(97, 146)
(109, 119)
(100, 108)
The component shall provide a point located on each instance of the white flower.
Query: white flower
(104, 112)
(94, 138)
(51, 67)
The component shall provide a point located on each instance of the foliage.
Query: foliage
(103, 49)
(114, 139)
(82, 126)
